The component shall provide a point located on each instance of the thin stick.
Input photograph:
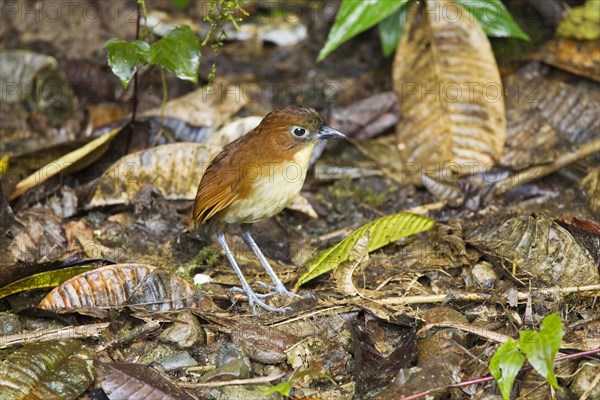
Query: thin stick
(260, 379)
(42, 335)
(538, 171)
(438, 298)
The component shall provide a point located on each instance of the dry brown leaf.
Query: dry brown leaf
(174, 169)
(538, 248)
(138, 381)
(342, 275)
(591, 187)
(449, 91)
(579, 57)
(101, 288)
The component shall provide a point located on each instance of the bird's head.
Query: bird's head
(294, 127)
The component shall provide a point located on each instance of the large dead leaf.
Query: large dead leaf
(138, 286)
(538, 248)
(207, 106)
(174, 169)
(449, 91)
(55, 370)
(128, 381)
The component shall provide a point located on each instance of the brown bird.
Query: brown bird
(257, 176)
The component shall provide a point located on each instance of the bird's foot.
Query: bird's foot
(279, 289)
(255, 299)
(238, 289)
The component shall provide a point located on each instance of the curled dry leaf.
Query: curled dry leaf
(139, 286)
(104, 287)
(343, 274)
(449, 90)
(162, 291)
(174, 169)
(539, 248)
(46, 370)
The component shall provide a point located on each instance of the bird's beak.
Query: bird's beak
(327, 132)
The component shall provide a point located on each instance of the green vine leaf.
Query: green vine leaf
(381, 232)
(179, 52)
(124, 57)
(47, 279)
(505, 365)
(541, 347)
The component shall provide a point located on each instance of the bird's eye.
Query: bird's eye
(298, 131)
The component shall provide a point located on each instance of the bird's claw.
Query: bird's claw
(256, 299)
(258, 295)
(279, 289)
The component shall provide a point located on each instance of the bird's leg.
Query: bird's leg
(253, 298)
(279, 286)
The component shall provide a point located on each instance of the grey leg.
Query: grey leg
(253, 299)
(279, 286)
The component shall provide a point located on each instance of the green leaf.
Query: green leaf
(381, 232)
(179, 52)
(541, 347)
(505, 365)
(390, 30)
(124, 57)
(181, 3)
(494, 18)
(354, 17)
(283, 389)
(42, 280)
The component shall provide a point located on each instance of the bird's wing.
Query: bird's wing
(211, 199)
(218, 188)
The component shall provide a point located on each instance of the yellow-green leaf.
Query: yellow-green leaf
(67, 162)
(381, 232)
(42, 280)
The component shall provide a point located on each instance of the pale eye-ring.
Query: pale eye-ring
(299, 131)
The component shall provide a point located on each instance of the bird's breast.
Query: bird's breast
(267, 188)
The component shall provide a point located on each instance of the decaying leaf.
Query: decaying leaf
(578, 57)
(162, 291)
(174, 169)
(449, 91)
(540, 248)
(38, 238)
(381, 232)
(39, 107)
(127, 381)
(104, 287)
(47, 370)
(591, 187)
(138, 286)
